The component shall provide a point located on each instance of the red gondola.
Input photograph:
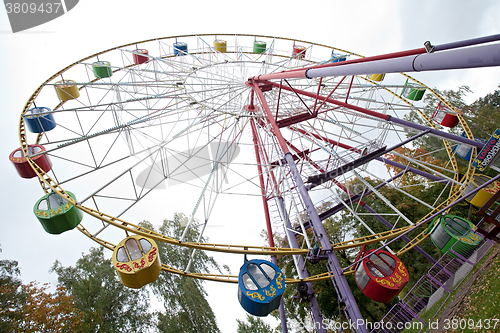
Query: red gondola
(444, 116)
(299, 52)
(23, 167)
(138, 56)
(381, 275)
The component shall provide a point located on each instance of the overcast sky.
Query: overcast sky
(365, 27)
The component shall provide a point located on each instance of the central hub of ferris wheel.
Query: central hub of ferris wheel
(221, 86)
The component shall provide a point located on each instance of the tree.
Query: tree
(29, 308)
(46, 312)
(12, 296)
(184, 298)
(254, 325)
(484, 115)
(108, 305)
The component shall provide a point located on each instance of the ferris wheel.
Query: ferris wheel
(140, 131)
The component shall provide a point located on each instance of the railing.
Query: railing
(416, 311)
(431, 292)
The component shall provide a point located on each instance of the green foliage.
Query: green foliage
(454, 97)
(108, 305)
(49, 312)
(187, 309)
(254, 325)
(484, 115)
(29, 308)
(12, 296)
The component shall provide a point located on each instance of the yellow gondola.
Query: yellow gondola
(220, 45)
(137, 262)
(483, 195)
(67, 90)
(376, 77)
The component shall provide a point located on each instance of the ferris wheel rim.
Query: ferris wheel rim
(42, 175)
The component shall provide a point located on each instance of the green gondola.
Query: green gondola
(102, 69)
(446, 230)
(259, 46)
(56, 214)
(413, 91)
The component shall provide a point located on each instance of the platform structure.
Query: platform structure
(420, 306)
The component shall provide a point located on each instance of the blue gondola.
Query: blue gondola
(463, 150)
(260, 287)
(337, 57)
(180, 48)
(38, 120)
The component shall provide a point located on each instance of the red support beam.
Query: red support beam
(331, 92)
(315, 112)
(257, 148)
(269, 116)
(319, 137)
(333, 101)
(295, 119)
(306, 115)
(349, 91)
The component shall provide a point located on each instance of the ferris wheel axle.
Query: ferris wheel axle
(479, 56)
(392, 62)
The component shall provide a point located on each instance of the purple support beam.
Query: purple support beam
(326, 214)
(339, 280)
(413, 170)
(337, 208)
(313, 302)
(467, 42)
(436, 132)
(324, 177)
(344, 291)
(321, 178)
